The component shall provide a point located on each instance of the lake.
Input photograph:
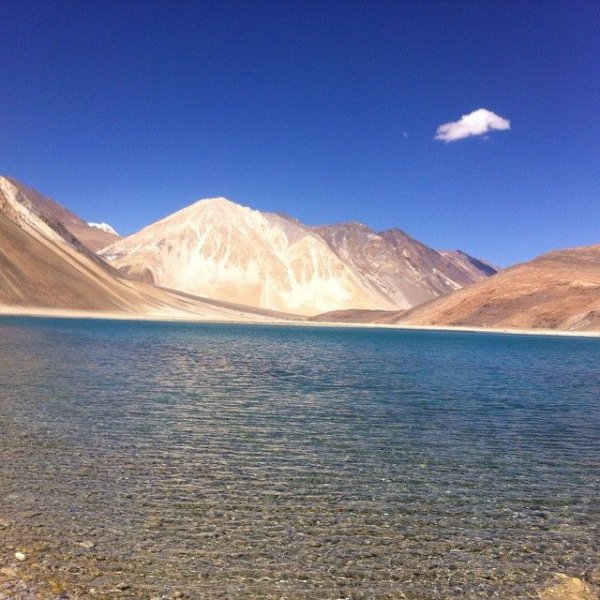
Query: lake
(160, 460)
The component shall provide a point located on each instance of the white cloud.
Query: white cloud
(478, 122)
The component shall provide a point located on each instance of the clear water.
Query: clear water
(223, 461)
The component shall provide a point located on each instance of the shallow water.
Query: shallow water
(224, 461)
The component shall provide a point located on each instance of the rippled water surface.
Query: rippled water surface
(221, 461)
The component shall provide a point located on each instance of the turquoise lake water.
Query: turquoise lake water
(227, 461)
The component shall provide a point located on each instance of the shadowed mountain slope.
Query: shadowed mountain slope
(402, 268)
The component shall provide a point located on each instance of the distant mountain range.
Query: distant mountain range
(219, 249)
(218, 260)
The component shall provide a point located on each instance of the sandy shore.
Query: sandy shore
(20, 311)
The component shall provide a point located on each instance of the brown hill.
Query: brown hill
(51, 211)
(559, 290)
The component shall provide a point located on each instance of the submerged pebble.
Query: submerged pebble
(569, 588)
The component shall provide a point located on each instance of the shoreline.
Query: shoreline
(176, 317)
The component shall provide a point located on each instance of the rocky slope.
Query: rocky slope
(42, 265)
(559, 290)
(219, 249)
(402, 268)
(474, 268)
(89, 234)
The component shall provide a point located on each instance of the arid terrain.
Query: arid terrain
(225, 251)
(43, 266)
(557, 291)
(218, 260)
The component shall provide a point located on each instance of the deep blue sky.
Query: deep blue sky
(126, 112)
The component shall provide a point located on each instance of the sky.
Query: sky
(472, 125)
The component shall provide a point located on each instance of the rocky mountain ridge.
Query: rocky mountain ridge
(247, 258)
(219, 249)
(404, 269)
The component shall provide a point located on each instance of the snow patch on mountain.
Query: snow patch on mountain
(104, 227)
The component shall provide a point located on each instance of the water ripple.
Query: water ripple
(240, 462)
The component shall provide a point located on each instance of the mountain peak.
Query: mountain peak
(225, 251)
(216, 201)
(216, 204)
(349, 226)
(104, 227)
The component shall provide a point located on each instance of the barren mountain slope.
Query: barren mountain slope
(92, 237)
(473, 267)
(559, 290)
(41, 268)
(401, 267)
(221, 250)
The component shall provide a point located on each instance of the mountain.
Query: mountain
(106, 228)
(90, 235)
(473, 266)
(559, 290)
(219, 249)
(242, 258)
(402, 268)
(44, 266)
